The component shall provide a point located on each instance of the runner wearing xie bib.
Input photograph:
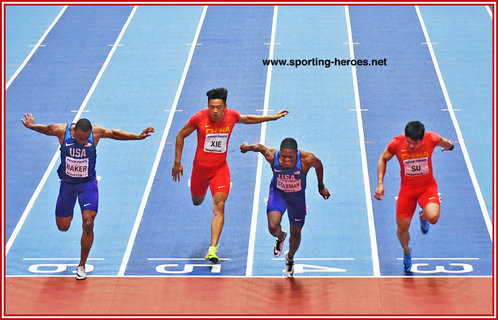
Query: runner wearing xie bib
(210, 167)
(287, 191)
(214, 126)
(417, 181)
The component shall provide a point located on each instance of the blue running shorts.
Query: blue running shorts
(86, 192)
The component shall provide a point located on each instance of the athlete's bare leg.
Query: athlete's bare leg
(218, 217)
(403, 234)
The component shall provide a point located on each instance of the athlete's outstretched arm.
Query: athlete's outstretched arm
(268, 153)
(317, 164)
(252, 119)
(56, 130)
(177, 169)
(381, 171)
(118, 134)
(446, 144)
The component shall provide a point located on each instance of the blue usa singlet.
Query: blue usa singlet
(77, 161)
(288, 180)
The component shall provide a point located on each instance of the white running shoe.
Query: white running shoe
(289, 265)
(279, 245)
(80, 273)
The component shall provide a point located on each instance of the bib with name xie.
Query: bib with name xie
(216, 142)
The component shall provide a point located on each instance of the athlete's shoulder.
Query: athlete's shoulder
(232, 113)
(197, 117)
(432, 136)
(395, 143)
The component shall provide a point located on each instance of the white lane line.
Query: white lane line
(361, 135)
(35, 47)
(441, 258)
(56, 155)
(59, 259)
(184, 259)
(318, 259)
(257, 187)
(461, 141)
(489, 11)
(153, 172)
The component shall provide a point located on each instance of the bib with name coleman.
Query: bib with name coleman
(415, 165)
(77, 161)
(288, 180)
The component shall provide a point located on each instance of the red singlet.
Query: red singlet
(417, 180)
(212, 137)
(210, 166)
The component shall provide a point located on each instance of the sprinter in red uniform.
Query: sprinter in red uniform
(214, 126)
(414, 152)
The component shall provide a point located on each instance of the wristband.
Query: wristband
(452, 147)
(321, 186)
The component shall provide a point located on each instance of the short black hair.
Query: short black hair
(288, 143)
(83, 124)
(218, 93)
(415, 130)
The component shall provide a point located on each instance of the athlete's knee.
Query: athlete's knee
(433, 220)
(274, 229)
(197, 201)
(88, 224)
(62, 227)
(63, 223)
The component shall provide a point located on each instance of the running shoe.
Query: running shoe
(407, 261)
(289, 265)
(424, 224)
(211, 255)
(279, 245)
(80, 273)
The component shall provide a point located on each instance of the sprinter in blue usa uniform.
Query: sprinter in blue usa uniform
(287, 192)
(77, 173)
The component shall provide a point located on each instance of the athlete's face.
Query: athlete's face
(287, 158)
(216, 109)
(412, 144)
(80, 136)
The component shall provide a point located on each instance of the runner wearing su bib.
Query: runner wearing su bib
(214, 127)
(417, 181)
(287, 192)
(414, 152)
(78, 142)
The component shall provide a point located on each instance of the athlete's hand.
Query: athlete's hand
(244, 147)
(324, 193)
(280, 114)
(379, 192)
(146, 133)
(177, 171)
(28, 121)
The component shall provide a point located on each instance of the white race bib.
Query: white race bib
(216, 143)
(77, 168)
(288, 185)
(416, 167)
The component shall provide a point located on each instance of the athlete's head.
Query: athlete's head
(82, 131)
(217, 102)
(414, 134)
(287, 157)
